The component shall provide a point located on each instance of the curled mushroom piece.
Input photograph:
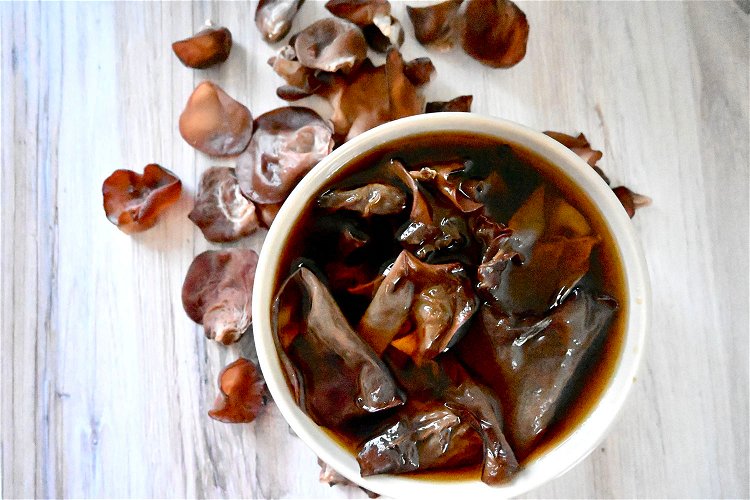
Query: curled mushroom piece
(372, 96)
(214, 123)
(360, 12)
(459, 104)
(206, 48)
(133, 202)
(218, 291)
(287, 66)
(631, 201)
(221, 211)
(331, 477)
(580, 146)
(240, 393)
(435, 25)
(274, 18)
(431, 438)
(267, 213)
(436, 300)
(494, 32)
(403, 95)
(419, 71)
(331, 45)
(371, 199)
(287, 143)
(380, 28)
(342, 378)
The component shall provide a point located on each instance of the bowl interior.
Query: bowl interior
(591, 430)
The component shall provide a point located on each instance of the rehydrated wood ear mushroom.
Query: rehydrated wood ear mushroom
(133, 202)
(214, 123)
(218, 291)
(206, 48)
(435, 25)
(287, 143)
(221, 212)
(331, 45)
(241, 393)
(274, 18)
(494, 32)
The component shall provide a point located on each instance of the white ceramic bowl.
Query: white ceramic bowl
(567, 452)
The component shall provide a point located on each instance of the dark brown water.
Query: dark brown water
(523, 172)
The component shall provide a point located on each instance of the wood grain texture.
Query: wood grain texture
(106, 383)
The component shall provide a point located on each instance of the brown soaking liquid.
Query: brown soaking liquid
(523, 172)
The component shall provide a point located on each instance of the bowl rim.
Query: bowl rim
(569, 451)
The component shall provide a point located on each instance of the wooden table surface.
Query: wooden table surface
(105, 381)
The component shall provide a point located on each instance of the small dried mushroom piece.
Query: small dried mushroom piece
(420, 309)
(631, 201)
(331, 45)
(221, 212)
(419, 71)
(432, 437)
(435, 26)
(360, 12)
(287, 66)
(580, 145)
(381, 30)
(274, 18)
(331, 477)
(494, 32)
(367, 200)
(342, 377)
(218, 291)
(287, 143)
(240, 396)
(372, 96)
(133, 202)
(206, 48)
(214, 123)
(458, 104)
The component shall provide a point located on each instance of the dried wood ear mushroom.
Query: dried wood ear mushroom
(241, 393)
(221, 212)
(214, 123)
(331, 45)
(218, 291)
(133, 202)
(494, 32)
(631, 201)
(372, 96)
(287, 143)
(435, 25)
(274, 18)
(459, 104)
(206, 48)
(380, 28)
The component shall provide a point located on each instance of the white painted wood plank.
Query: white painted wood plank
(106, 383)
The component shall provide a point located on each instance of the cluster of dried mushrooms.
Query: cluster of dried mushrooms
(275, 150)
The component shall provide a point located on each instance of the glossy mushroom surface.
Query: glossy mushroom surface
(218, 291)
(204, 49)
(221, 211)
(133, 202)
(287, 143)
(494, 32)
